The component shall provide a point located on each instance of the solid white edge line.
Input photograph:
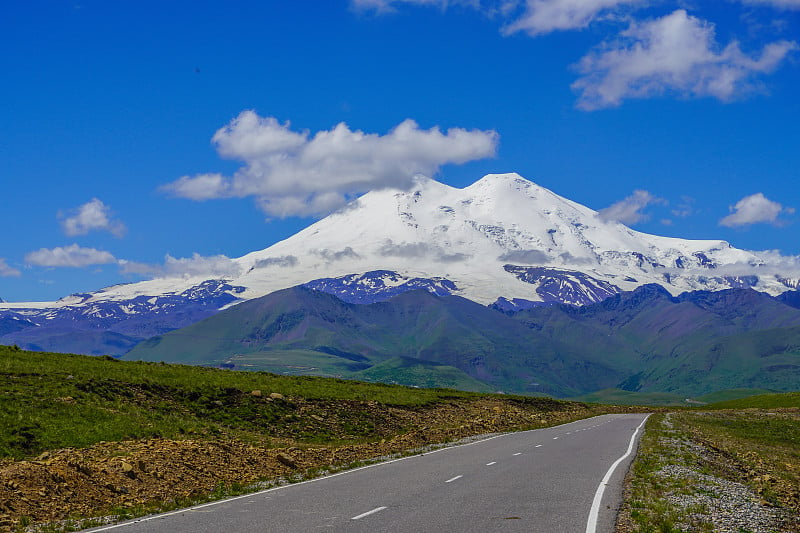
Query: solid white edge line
(362, 515)
(453, 479)
(591, 523)
(343, 472)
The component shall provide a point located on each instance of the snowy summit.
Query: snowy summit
(501, 237)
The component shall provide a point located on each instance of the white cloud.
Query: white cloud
(780, 4)
(534, 17)
(7, 271)
(629, 210)
(336, 255)
(755, 209)
(545, 16)
(91, 216)
(185, 267)
(420, 250)
(199, 187)
(677, 53)
(283, 261)
(69, 256)
(296, 173)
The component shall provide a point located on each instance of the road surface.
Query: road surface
(549, 480)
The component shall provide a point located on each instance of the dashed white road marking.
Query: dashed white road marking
(492, 463)
(518, 453)
(292, 485)
(453, 479)
(555, 438)
(362, 515)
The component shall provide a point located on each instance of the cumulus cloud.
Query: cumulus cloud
(7, 271)
(677, 54)
(281, 261)
(629, 209)
(545, 16)
(755, 209)
(292, 173)
(185, 267)
(91, 216)
(69, 256)
(420, 249)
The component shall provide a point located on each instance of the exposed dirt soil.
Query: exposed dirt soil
(108, 476)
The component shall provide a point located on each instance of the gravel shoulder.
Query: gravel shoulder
(687, 477)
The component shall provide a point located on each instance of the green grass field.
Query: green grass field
(52, 401)
(623, 397)
(761, 401)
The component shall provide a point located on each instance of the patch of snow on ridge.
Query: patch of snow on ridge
(379, 286)
(564, 286)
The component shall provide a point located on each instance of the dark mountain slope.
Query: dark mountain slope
(485, 344)
(645, 340)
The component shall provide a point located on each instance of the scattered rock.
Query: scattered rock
(256, 393)
(276, 395)
(128, 470)
(287, 460)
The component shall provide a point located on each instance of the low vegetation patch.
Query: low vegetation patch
(88, 436)
(720, 470)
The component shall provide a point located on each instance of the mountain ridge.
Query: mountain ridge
(502, 241)
(645, 340)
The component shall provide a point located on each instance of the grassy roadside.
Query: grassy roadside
(718, 470)
(88, 436)
(50, 401)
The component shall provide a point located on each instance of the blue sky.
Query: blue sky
(142, 139)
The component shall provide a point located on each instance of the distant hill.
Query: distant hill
(643, 341)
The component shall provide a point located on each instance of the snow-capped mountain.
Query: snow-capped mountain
(503, 237)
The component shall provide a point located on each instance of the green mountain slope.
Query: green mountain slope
(643, 341)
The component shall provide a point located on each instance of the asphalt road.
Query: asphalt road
(534, 481)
